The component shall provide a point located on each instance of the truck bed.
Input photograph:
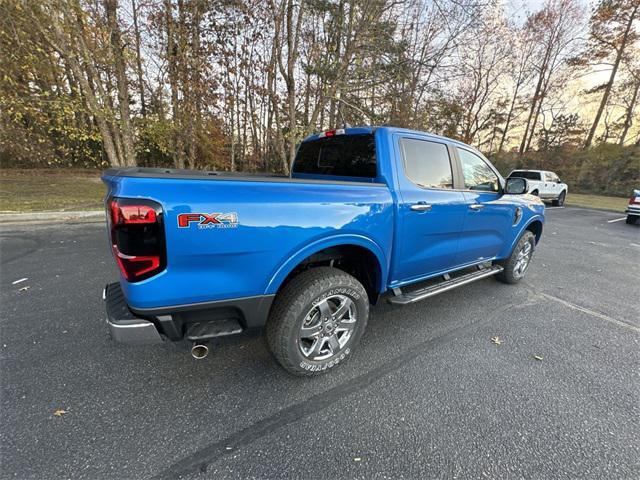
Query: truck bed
(271, 224)
(186, 174)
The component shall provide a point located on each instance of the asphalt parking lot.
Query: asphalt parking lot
(426, 395)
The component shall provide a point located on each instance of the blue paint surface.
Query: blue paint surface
(283, 221)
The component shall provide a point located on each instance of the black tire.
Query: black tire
(535, 192)
(292, 307)
(509, 274)
(559, 202)
(632, 219)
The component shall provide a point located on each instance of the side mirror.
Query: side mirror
(516, 186)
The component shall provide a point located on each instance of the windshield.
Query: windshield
(342, 155)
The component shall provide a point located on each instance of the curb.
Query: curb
(34, 218)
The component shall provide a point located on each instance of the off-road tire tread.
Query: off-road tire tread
(293, 298)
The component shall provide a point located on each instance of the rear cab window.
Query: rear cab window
(525, 174)
(348, 157)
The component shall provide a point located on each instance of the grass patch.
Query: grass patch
(598, 202)
(50, 190)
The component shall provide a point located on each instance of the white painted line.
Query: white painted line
(19, 281)
(593, 313)
(617, 220)
(634, 245)
(552, 208)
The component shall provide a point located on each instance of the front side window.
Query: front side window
(477, 174)
(427, 164)
(552, 177)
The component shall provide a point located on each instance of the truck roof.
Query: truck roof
(372, 128)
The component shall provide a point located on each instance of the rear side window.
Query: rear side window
(527, 175)
(427, 164)
(552, 177)
(342, 155)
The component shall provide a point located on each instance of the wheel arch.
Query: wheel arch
(534, 227)
(356, 254)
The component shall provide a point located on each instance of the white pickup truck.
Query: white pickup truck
(543, 184)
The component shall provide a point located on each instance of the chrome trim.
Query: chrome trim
(421, 207)
(445, 286)
(138, 333)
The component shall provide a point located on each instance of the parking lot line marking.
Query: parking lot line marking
(551, 208)
(634, 245)
(616, 220)
(593, 313)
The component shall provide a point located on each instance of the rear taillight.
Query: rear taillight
(137, 237)
(633, 200)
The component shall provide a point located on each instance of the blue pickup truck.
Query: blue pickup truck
(366, 211)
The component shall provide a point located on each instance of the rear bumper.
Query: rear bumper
(124, 325)
(194, 322)
(633, 210)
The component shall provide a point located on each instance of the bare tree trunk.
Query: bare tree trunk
(111, 8)
(607, 91)
(136, 32)
(534, 124)
(628, 120)
(509, 116)
(532, 110)
(178, 154)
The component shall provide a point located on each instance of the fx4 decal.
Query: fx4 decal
(208, 220)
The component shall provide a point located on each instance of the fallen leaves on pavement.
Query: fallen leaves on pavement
(496, 340)
(538, 357)
(59, 412)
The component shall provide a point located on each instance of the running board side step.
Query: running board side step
(445, 286)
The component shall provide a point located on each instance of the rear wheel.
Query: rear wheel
(516, 265)
(317, 320)
(632, 219)
(559, 202)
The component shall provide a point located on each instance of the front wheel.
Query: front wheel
(516, 265)
(317, 320)
(559, 202)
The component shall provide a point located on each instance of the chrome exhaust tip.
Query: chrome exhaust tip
(199, 351)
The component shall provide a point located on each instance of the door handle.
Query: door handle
(476, 206)
(421, 207)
